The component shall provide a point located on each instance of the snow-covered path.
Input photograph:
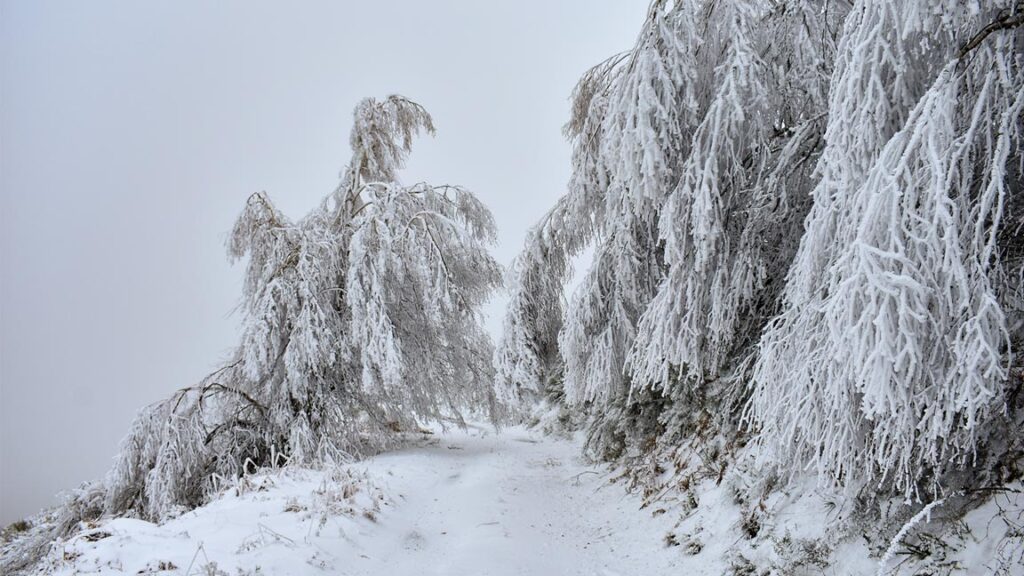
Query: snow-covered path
(461, 503)
(486, 504)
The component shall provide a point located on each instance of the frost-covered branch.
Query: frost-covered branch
(355, 327)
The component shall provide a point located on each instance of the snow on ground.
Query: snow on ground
(516, 503)
(462, 503)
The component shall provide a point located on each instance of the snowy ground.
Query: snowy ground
(516, 503)
(462, 503)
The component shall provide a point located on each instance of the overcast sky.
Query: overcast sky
(131, 134)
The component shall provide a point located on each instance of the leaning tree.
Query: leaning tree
(360, 320)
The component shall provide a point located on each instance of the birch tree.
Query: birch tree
(693, 155)
(890, 358)
(359, 321)
(811, 211)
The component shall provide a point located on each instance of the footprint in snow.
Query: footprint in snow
(414, 541)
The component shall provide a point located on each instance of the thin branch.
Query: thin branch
(1004, 23)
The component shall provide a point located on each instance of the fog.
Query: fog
(131, 134)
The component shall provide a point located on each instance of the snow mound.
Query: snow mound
(288, 521)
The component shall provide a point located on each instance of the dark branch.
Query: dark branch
(1004, 23)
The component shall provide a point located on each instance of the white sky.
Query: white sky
(131, 134)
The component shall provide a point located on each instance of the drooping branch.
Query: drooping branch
(1007, 22)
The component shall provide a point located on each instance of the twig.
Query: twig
(576, 478)
(1003, 23)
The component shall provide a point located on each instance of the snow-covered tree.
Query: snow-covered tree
(890, 357)
(690, 173)
(727, 227)
(528, 357)
(359, 320)
(809, 208)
